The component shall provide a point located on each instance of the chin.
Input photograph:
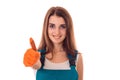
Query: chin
(55, 42)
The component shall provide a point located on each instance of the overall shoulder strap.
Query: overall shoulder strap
(72, 58)
(42, 59)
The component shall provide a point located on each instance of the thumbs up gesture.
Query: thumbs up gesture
(31, 55)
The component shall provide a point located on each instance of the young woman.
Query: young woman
(58, 58)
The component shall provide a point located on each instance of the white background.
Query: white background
(96, 26)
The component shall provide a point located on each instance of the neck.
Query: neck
(58, 48)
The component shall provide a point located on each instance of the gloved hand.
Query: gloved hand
(31, 55)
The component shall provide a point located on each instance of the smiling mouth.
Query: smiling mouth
(56, 37)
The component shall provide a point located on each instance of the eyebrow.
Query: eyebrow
(50, 23)
(60, 24)
(63, 24)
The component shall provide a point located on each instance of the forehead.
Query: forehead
(56, 20)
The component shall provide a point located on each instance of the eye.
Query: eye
(51, 26)
(63, 26)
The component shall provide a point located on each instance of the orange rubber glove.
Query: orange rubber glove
(31, 56)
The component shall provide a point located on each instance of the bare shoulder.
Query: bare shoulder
(79, 56)
(79, 59)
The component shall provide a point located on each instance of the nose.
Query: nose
(57, 31)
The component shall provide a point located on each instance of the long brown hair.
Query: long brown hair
(69, 42)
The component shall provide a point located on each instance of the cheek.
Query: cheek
(65, 32)
(49, 32)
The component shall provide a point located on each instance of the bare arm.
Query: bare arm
(80, 67)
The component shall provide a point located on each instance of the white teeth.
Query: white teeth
(57, 37)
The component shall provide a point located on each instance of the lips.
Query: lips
(56, 37)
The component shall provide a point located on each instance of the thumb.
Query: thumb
(32, 43)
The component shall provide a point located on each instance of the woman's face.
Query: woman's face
(56, 29)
